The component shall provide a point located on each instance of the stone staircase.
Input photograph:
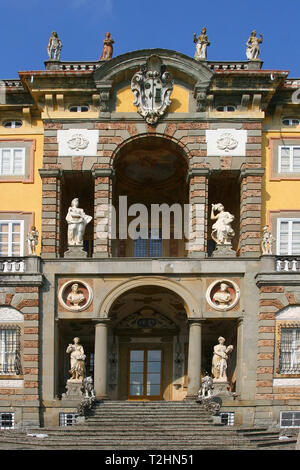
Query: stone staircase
(116, 425)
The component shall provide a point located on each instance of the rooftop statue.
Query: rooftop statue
(107, 51)
(253, 49)
(266, 241)
(201, 45)
(54, 47)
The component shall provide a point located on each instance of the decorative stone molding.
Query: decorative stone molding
(77, 142)
(75, 300)
(222, 142)
(152, 86)
(10, 315)
(223, 295)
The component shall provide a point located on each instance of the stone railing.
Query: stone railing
(241, 65)
(288, 264)
(72, 66)
(12, 265)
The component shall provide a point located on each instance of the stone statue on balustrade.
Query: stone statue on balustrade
(266, 241)
(222, 232)
(107, 51)
(201, 45)
(32, 240)
(253, 49)
(54, 47)
(77, 221)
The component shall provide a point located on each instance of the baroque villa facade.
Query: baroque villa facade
(149, 318)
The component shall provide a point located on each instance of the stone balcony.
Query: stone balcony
(24, 270)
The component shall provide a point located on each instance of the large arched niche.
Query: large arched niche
(10, 315)
(179, 292)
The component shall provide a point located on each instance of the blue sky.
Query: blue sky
(139, 24)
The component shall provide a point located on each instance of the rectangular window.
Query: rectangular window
(10, 363)
(288, 236)
(290, 419)
(289, 159)
(7, 420)
(12, 161)
(289, 356)
(67, 419)
(11, 237)
(227, 418)
(150, 247)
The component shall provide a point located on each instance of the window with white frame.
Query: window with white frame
(288, 236)
(7, 420)
(10, 363)
(289, 354)
(227, 418)
(290, 419)
(289, 159)
(11, 237)
(12, 161)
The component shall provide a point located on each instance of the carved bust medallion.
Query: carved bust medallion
(75, 295)
(223, 295)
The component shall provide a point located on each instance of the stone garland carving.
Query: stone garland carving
(77, 221)
(78, 142)
(227, 142)
(201, 45)
(253, 49)
(75, 296)
(152, 86)
(223, 295)
(54, 47)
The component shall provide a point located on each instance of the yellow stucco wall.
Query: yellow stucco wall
(25, 197)
(179, 100)
(283, 194)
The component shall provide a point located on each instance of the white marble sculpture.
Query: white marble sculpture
(266, 241)
(253, 49)
(201, 45)
(222, 297)
(219, 361)
(75, 297)
(32, 240)
(77, 361)
(222, 232)
(54, 47)
(206, 387)
(77, 222)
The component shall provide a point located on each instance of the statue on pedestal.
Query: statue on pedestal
(266, 241)
(77, 361)
(77, 222)
(253, 49)
(107, 51)
(54, 47)
(32, 239)
(201, 45)
(219, 361)
(222, 232)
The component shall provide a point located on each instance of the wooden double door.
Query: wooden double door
(145, 373)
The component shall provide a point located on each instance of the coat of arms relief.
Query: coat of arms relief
(152, 86)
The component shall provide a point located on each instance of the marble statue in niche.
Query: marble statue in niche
(77, 361)
(253, 49)
(201, 45)
(107, 50)
(219, 361)
(222, 232)
(54, 47)
(77, 222)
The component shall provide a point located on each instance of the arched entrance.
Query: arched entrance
(148, 341)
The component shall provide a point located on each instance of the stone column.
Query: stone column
(198, 200)
(194, 358)
(250, 224)
(102, 212)
(100, 359)
(239, 356)
(51, 183)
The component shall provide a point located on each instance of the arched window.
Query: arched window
(290, 121)
(226, 108)
(14, 124)
(79, 108)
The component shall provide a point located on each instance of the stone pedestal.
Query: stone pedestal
(221, 389)
(74, 390)
(75, 252)
(223, 251)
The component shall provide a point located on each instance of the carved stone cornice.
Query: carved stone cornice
(105, 93)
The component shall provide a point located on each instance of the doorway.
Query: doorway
(145, 374)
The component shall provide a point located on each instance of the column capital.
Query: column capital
(196, 321)
(101, 321)
(50, 173)
(198, 172)
(103, 172)
(251, 172)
